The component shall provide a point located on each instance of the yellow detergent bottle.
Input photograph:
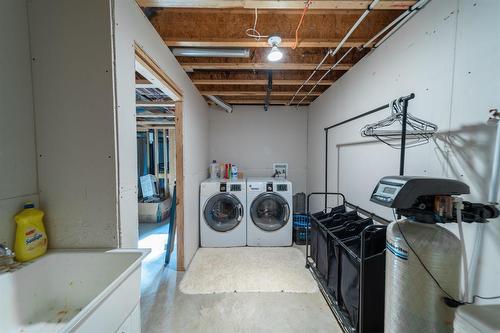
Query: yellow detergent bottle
(31, 238)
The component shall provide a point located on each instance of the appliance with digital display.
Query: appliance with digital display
(223, 213)
(429, 200)
(270, 207)
(423, 258)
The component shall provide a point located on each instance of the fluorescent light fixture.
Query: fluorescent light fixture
(227, 107)
(211, 52)
(275, 53)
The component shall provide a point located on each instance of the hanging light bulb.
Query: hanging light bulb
(275, 53)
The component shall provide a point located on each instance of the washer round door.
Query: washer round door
(270, 211)
(223, 212)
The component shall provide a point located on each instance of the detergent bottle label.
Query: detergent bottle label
(31, 239)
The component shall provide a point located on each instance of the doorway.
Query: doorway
(159, 162)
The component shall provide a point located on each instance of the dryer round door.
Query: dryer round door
(223, 212)
(270, 211)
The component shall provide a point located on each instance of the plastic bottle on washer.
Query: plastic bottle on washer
(214, 167)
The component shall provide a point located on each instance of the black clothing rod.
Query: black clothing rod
(380, 108)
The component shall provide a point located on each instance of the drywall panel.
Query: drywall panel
(254, 140)
(71, 47)
(132, 27)
(17, 132)
(475, 91)
(445, 56)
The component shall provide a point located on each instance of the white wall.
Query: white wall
(17, 136)
(448, 56)
(254, 140)
(131, 26)
(74, 114)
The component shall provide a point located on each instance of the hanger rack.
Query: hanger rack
(405, 100)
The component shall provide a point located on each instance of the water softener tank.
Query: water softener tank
(413, 299)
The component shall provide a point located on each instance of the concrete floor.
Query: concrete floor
(165, 309)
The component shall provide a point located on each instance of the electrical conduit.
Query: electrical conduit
(339, 46)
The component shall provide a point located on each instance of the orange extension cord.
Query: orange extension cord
(294, 46)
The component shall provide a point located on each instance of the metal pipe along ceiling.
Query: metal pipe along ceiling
(395, 25)
(324, 75)
(400, 19)
(342, 42)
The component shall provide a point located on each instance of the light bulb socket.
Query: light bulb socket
(274, 40)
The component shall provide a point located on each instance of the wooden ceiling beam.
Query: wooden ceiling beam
(145, 104)
(155, 115)
(258, 102)
(259, 82)
(160, 123)
(224, 66)
(278, 4)
(256, 93)
(144, 84)
(251, 43)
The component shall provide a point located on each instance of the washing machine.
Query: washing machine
(269, 218)
(223, 221)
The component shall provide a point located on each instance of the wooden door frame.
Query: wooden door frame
(177, 95)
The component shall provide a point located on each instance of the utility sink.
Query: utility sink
(73, 291)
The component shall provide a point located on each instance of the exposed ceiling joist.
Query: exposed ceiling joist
(246, 42)
(259, 82)
(142, 68)
(143, 84)
(156, 115)
(145, 104)
(260, 102)
(189, 67)
(277, 4)
(256, 93)
(160, 123)
(221, 24)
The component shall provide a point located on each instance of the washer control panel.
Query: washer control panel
(235, 187)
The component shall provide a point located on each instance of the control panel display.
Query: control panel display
(389, 190)
(282, 188)
(235, 187)
(385, 193)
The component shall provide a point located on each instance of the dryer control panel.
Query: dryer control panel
(281, 188)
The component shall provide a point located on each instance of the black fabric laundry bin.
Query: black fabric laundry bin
(334, 224)
(348, 231)
(373, 279)
(320, 216)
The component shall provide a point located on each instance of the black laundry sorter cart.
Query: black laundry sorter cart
(346, 256)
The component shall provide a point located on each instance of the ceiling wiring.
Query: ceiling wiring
(339, 46)
(253, 32)
(306, 8)
(388, 31)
